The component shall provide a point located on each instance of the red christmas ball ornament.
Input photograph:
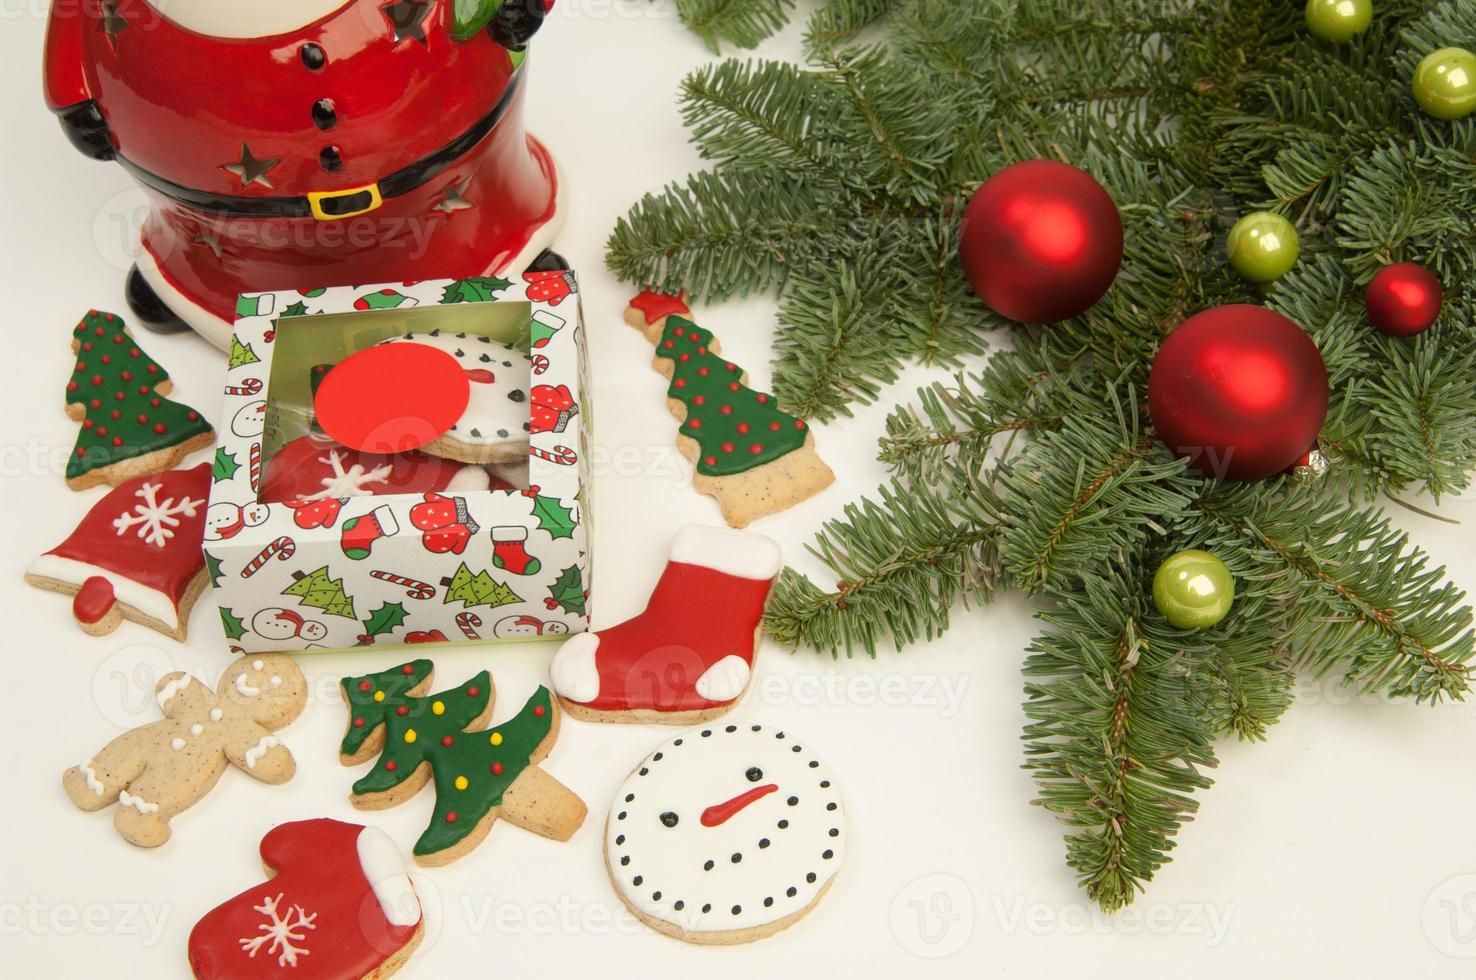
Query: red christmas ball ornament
(1041, 242)
(1239, 391)
(1404, 300)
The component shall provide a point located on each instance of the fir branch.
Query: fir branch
(745, 23)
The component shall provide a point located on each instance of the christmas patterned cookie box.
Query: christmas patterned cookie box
(445, 566)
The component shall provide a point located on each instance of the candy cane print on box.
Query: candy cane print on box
(317, 547)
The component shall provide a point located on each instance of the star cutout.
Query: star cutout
(250, 169)
(407, 17)
(110, 22)
(455, 200)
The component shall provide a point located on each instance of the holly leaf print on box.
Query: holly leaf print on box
(232, 624)
(119, 394)
(477, 589)
(554, 517)
(477, 289)
(212, 568)
(241, 354)
(225, 465)
(295, 309)
(386, 619)
(568, 592)
(318, 590)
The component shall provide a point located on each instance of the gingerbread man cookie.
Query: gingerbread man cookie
(162, 769)
(494, 427)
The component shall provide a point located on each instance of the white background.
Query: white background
(1341, 847)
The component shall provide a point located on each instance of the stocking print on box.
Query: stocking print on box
(689, 656)
(313, 545)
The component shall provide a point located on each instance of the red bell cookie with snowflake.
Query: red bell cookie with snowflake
(313, 142)
(135, 556)
(689, 656)
(314, 469)
(338, 906)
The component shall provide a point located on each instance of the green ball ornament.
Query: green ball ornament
(1263, 246)
(1445, 83)
(1339, 21)
(1194, 590)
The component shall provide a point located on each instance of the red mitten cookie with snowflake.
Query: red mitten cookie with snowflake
(689, 656)
(135, 556)
(337, 905)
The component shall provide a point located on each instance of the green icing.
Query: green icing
(736, 427)
(113, 381)
(487, 769)
(365, 713)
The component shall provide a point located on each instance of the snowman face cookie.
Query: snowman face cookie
(494, 428)
(726, 834)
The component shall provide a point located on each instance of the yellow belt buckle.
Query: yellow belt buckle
(316, 199)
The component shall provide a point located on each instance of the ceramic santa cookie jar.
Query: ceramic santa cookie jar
(305, 143)
(726, 834)
(689, 656)
(337, 905)
(135, 556)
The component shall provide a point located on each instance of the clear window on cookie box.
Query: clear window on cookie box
(399, 395)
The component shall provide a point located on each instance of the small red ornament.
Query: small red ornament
(1239, 391)
(1041, 242)
(1404, 300)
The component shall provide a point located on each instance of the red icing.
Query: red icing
(720, 813)
(123, 556)
(298, 470)
(318, 868)
(392, 397)
(94, 600)
(654, 305)
(696, 616)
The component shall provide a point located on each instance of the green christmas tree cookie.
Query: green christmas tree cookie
(479, 774)
(130, 428)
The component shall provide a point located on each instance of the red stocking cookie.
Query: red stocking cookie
(337, 905)
(162, 769)
(689, 656)
(315, 468)
(136, 555)
(129, 426)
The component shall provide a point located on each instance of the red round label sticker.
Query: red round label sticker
(392, 398)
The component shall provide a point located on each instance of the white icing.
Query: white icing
(739, 553)
(489, 410)
(470, 479)
(258, 664)
(197, 730)
(93, 783)
(351, 482)
(695, 772)
(177, 744)
(143, 806)
(254, 754)
(280, 932)
(155, 521)
(216, 714)
(150, 602)
(573, 671)
(385, 872)
(245, 688)
(168, 691)
(275, 681)
(724, 680)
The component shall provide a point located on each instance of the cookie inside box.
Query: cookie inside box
(359, 402)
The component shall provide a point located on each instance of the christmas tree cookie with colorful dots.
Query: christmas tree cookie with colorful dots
(480, 774)
(130, 428)
(754, 458)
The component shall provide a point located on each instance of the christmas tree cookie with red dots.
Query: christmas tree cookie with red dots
(752, 457)
(480, 774)
(130, 428)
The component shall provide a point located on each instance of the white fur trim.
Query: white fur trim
(738, 553)
(573, 670)
(724, 680)
(509, 533)
(385, 871)
(151, 602)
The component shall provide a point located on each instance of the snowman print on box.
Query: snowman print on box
(726, 834)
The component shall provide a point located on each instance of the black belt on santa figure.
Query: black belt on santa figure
(336, 205)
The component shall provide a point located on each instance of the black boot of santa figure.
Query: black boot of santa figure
(689, 656)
